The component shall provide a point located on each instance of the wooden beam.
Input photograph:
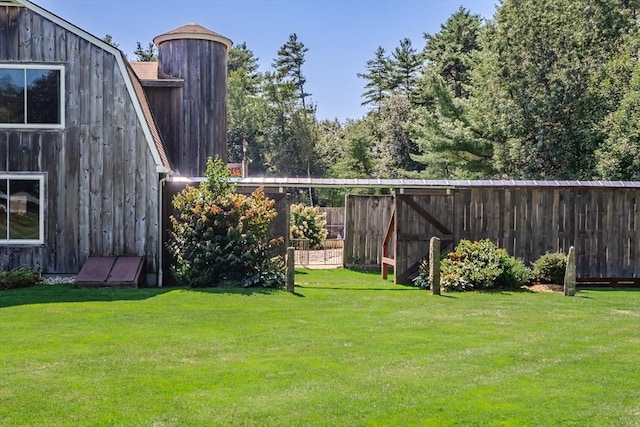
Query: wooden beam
(426, 215)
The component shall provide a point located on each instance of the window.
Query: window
(31, 96)
(22, 209)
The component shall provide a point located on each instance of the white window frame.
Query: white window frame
(25, 177)
(25, 67)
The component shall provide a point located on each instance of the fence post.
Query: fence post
(290, 272)
(570, 273)
(434, 265)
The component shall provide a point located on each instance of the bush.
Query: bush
(422, 280)
(22, 277)
(550, 268)
(308, 223)
(480, 265)
(221, 237)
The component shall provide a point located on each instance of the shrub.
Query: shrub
(221, 237)
(454, 283)
(550, 268)
(422, 280)
(22, 277)
(308, 223)
(481, 265)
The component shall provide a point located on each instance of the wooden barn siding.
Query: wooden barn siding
(366, 221)
(602, 224)
(166, 104)
(203, 66)
(101, 185)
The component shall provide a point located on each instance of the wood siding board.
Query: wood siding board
(152, 223)
(20, 42)
(14, 152)
(73, 81)
(96, 206)
(140, 195)
(96, 115)
(106, 104)
(130, 164)
(48, 52)
(85, 86)
(61, 44)
(13, 24)
(57, 183)
(84, 192)
(119, 177)
(71, 140)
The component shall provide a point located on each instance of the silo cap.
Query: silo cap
(193, 31)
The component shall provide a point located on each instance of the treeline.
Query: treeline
(547, 89)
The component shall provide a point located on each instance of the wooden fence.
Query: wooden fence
(366, 219)
(335, 222)
(602, 223)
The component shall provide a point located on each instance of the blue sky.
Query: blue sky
(342, 35)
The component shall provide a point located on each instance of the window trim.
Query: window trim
(31, 177)
(23, 66)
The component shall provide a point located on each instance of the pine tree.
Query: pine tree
(146, 55)
(288, 65)
(379, 79)
(405, 64)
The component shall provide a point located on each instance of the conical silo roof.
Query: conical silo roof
(193, 31)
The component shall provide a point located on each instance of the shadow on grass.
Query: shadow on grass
(609, 289)
(359, 288)
(44, 294)
(235, 290)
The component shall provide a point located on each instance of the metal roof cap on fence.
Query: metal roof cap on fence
(411, 183)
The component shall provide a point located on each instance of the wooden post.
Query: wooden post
(434, 265)
(290, 274)
(570, 273)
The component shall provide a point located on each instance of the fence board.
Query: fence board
(366, 219)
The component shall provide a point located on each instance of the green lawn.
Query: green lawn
(348, 349)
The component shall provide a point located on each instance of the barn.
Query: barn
(87, 139)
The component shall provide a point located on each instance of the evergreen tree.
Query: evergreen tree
(546, 54)
(109, 40)
(447, 122)
(394, 146)
(288, 65)
(240, 56)
(146, 55)
(450, 52)
(379, 79)
(246, 109)
(405, 64)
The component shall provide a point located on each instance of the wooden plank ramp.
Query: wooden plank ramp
(111, 272)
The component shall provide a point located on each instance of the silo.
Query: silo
(199, 57)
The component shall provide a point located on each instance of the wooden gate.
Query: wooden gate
(416, 218)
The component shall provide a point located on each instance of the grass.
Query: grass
(348, 348)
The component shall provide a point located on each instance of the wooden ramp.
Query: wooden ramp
(111, 272)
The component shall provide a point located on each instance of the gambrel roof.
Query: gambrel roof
(141, 105)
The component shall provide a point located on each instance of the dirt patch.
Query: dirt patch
(543, 287)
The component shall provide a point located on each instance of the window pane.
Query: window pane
(24, 209)
(3, 209)
(43, 96)
(11, 96)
